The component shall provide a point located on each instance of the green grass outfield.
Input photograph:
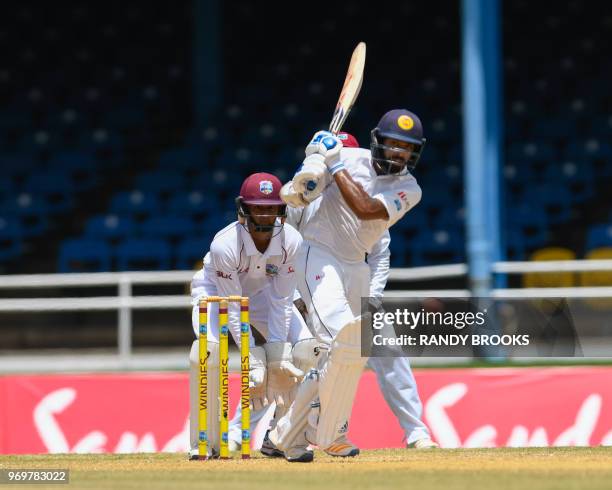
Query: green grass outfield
(524, 469)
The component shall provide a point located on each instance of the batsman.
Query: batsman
(362, 194)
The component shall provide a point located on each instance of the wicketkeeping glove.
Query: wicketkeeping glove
(283, 376)
(257, 378)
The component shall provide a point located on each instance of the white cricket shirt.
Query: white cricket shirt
(334, 225)
(234, 267)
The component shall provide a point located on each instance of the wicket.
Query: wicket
(224, 376)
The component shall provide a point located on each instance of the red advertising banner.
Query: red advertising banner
(125, 413)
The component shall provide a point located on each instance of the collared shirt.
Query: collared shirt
(234, 267)
(378, 259)
(331, 222)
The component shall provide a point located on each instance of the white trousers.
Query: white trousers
(399, 389)
(331, 289)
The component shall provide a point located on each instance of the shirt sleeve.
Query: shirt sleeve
(225, 267)
(294, 216)
(282, 291)
(398, 201)
(379, 263)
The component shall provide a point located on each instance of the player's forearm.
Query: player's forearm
(360, 202)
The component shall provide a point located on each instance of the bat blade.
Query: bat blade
(350, 89)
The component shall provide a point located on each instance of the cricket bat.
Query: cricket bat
(350, 89)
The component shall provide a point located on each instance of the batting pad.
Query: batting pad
(289, 430)
(338, 382)
(213, 396)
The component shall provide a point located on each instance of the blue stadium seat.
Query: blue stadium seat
(79, 167)
(578, 179)
(554, 129)
(143, 254)
(183, 158)
(135, 203)
(192, 204)
(125, 117)
(516, 248)
(105, 143)
(84, 255)
(590, 149)
(517, 176)
(556, 201)
(17, 165)
(219, 180)
(414, 221)
(529, 221)
(72, 160)
(241, 158)
(10, 238)
(599, 236)
(30, 210)
(7, 188)
(191, 251)
(531, 152)
(438, 246)
(109, 227)
(160, 181)
(399, 247)
(167, 226)
(601, 127)
(57, 191)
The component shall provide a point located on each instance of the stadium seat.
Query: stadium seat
(57, 191)
(160, 182)
(597, 278)
(437, 246)
(30, 210)
(17, 165)
(528, 220)
(599, 236)
(550, 279)
(183, 159)
(579, 180)
(554, 199)
(143, 254)
(531, 152)
(191, 251)
(515, 245)
(166, 226)
(84, 255)
(79, 167)
(194, 204)
(135, 204)
(10, 238)
(109, 227)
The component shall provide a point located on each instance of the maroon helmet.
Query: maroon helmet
(260, 189)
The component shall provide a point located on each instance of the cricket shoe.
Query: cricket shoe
(425, 443)
(342, 448)
(269, 449)
(194, 456)
(299, 454)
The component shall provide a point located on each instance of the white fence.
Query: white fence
(124, 302)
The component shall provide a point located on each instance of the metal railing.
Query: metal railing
(125, 302)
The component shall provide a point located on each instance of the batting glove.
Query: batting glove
(328, 146)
